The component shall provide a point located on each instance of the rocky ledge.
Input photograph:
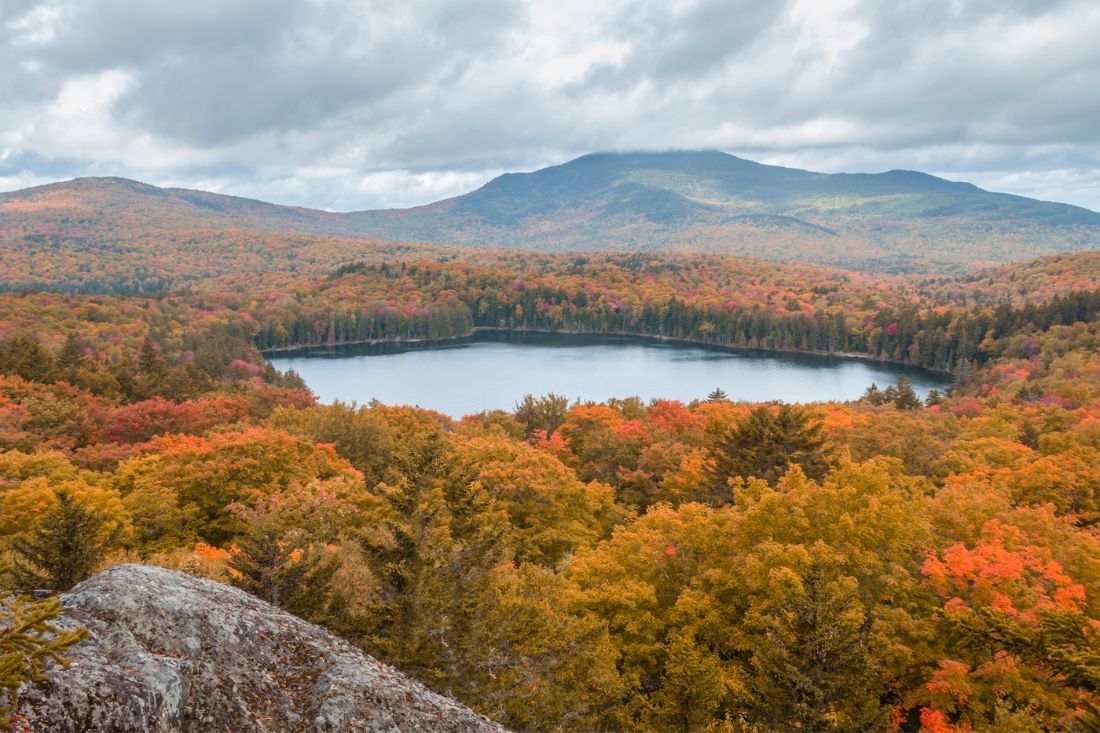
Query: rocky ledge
(169, 652)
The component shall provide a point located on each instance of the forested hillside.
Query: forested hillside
(883, 563)
(113, 234)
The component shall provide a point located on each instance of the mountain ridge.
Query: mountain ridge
(698, 201)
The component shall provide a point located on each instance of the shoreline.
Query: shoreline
(622, 334)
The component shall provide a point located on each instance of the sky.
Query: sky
(358, 104)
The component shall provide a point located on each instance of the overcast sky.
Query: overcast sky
(353, 104)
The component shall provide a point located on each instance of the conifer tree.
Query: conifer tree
(28, 640)
(693, 685)
(66, 547)
(809, 666)
(769, 440)
(22, 355)
(433, 542)
(873, 395)
(72, 356)
(149, 361)
(905, 398)
(1028, 435)
(1064, 643)
(281, 567)
(717, 395)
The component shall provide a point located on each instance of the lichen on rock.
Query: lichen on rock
(170, 652)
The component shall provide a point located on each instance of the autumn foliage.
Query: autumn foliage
(881, 563)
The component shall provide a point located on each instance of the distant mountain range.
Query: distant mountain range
(708, 201)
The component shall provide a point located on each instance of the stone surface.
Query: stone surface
(169, 652)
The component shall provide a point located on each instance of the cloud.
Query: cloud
(348, 104)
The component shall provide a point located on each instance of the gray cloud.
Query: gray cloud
(346, 104)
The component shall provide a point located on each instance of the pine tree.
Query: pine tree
(717, 395)
(22, 355)
(693, 684)
(905, 398)
(433, 543)
(71, 356)
(66, 547)
(935, 397)
(1064, 643)
(280, 566)
(809, 662)
(149, 361)
(873, 395)
(765, 443)
(28, 640)
(1028, 435)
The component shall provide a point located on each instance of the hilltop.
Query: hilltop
(116, 234)
(896, 221)
(170, 652)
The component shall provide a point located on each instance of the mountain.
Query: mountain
(112, 233)
(711, 201)
(170, 652)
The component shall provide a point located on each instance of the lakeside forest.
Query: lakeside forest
(882, 563)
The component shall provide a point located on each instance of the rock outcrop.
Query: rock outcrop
(169, 652)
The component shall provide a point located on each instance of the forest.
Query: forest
(884, 563)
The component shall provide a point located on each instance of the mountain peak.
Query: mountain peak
(691, 200)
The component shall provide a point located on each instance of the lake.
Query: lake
(493, 370)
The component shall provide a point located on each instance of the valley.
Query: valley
(600, 490)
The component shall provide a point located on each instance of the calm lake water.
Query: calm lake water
(494, 370)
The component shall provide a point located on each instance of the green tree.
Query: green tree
(432, 541)
(71, 356)
(23, 356)
(903, 395)
(544, 414)
(359, 435)
(935, 397)
(283, 568)
(693, 686)
(873, 395)
(717, 395)
(1064, 643)
(28, 640)
(769, 440)
(66, 547)
(809, 662)
(1029, 435)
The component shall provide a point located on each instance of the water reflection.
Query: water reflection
(493, 370)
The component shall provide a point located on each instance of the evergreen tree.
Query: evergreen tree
(28, 641)
(1028, 435)
(149, 361)
(717, 395)
(809, 665)
(905, 397)
(873, 395)
(281, 567)
(768, 441)
(433, 542)
(72, 356)
(693, 685)
(935, 397)
(1064, 643)
(23, 356)
(66, 547)
(1030, 392)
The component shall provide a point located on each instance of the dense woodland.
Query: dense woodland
(883, 563)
